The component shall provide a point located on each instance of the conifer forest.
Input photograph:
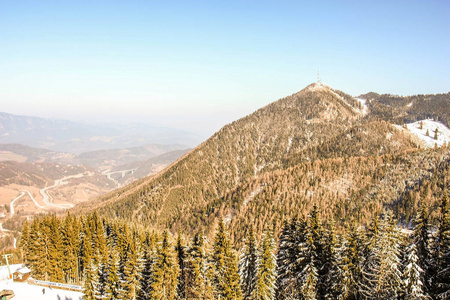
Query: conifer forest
(308, 259)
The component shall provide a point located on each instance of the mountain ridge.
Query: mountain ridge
(317, 123)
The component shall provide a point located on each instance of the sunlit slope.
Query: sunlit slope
(316, 123)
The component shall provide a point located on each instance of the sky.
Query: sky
(198, 65)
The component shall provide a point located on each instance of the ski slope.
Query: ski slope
(443, 135)
(25, 291)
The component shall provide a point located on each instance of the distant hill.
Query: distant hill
(75, 138)
(408, 109)
(150, 166)
(114, 158)
(101, 160)
(319, 145)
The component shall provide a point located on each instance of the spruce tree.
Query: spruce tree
(266, 276)
(412, 285)
(334, 276)
(24, 241)
(165, 271)
(441, 280)
(147, 271)
(350, 268)
(130, 283)
(308, 276)
(381, 274)
(248, 265)
(421, 236)
(198, 271)
(181, 256)
(112, 284)
(292, 236)
(226, 276)
(91, 283)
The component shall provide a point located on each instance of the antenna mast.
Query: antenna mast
(318, 77)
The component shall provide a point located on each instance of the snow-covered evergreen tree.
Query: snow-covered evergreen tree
(266, 271)
(381, 274)
(132, 271)
(292, 235)
(441, 264)
(198, 283)
(308, 276)
(112, 284)
(422, 238)
(91, 283)
(149, 249)
(412, 285)
(334, 277)
(248, 265)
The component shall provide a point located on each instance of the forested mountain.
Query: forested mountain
(409, 109)
(319, 146)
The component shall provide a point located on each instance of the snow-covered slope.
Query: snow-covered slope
(24, 291)
(443, 134)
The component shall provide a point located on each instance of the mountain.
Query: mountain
(73, 137)
(408, 109)
(319, 145)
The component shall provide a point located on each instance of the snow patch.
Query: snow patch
(443, 135)
(289, 145)
(409, 105)
(364, 107)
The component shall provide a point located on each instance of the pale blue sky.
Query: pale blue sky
(201, 64)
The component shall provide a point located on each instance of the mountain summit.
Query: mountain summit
(267, 163)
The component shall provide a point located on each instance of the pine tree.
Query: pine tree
(421, 236)
(55, 250)
(37, 251)
(70, 241)
(412, 285)
(112, 284)
(91, 283)
(24, 241)
(334, 277)
(130, 283)
(248, 265)
(381, 274)
(198, 271)
(320, 257)
(266, 276)
(149, 248)
(292, 236)
(308, 276)
(441, 280)
(350, 268)
(181, 256)
(226, 276)
(165, 271)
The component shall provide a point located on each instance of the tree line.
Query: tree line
(114, 260)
